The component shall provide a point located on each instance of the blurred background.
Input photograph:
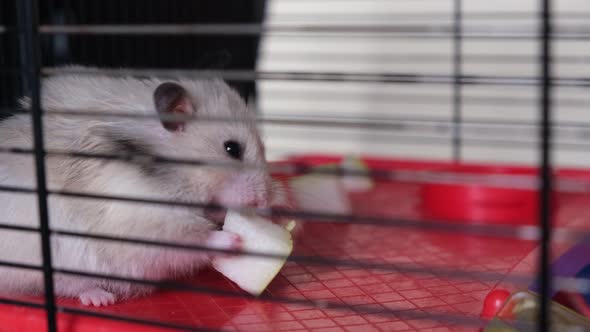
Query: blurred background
(213, 51)
(498, 121)
(367, 38)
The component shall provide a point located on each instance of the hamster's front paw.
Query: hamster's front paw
(97, 297)
(224, 240)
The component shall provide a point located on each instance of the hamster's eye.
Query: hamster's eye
(233, 149)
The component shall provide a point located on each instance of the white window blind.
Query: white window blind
(490, 113)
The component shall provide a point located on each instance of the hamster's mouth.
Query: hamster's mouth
(216, 216)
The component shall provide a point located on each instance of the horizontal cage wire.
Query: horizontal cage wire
(463, 125)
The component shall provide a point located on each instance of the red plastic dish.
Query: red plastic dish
(481, 203)
(465, 202)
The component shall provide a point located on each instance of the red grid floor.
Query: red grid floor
(408, 292)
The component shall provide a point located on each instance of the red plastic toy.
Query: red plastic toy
(493, 303)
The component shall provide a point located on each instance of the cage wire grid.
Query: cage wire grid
(30, 31)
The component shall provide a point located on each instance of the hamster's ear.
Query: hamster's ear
(172, 99)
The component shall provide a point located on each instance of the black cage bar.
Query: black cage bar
(546, 174)
(28, 24)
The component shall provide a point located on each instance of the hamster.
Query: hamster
(228, 142)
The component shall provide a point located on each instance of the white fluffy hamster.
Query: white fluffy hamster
(236, 141)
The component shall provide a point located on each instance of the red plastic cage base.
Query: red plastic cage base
(405, 292)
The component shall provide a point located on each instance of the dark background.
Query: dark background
(133, 51)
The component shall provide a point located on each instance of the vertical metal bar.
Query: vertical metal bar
(4, 77)
(457, 72)
(545, 208)
(28, 18)
(259, 17)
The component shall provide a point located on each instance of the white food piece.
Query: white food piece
(356, 183)
(291, 225)
(251, 273)
(320, 193)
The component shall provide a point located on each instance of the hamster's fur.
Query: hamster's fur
(200, 140)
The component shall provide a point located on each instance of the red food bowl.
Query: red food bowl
(481, 203)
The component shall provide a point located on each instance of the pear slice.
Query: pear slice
(253, 273)
(320, 193)
(356, 183)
